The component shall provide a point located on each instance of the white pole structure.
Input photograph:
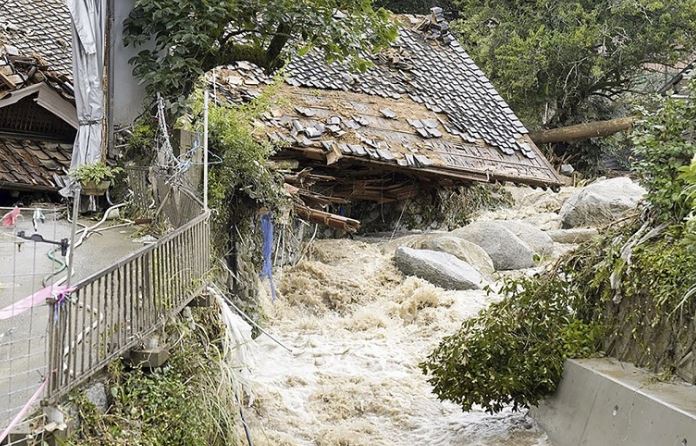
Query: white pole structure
(73, 232)
(205, 149)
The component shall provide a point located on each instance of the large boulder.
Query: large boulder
(438, 268)
(601, 203)
(537, 239)
(573, 235)
(507, 250)
(462, 249)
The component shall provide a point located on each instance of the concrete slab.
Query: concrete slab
(603, 402)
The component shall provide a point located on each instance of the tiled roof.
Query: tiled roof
(431, 72)
(424, 105)
(32, 164)
(38, 28)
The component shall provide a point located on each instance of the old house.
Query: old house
(38, 120)
(423, 115)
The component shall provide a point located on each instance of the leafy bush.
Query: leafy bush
(513, 352)
(95, 173)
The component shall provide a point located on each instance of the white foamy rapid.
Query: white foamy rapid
(358, 329)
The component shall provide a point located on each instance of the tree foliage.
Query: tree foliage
(665, 143)
(555, 59)
(185, 38)
(513, 352)
(417, 6)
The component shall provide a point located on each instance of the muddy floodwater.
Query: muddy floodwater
(357, 329)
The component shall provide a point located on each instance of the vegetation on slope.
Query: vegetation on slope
(631, 294)
(189, 401)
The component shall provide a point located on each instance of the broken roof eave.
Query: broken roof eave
(23, 187)
(46, 98)
(434, 172)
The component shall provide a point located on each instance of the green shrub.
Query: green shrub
(190, 401)
(513, 352)
(664, 144)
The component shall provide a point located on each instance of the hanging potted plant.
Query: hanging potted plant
(95, 179)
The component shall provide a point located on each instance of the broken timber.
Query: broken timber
(325, 218)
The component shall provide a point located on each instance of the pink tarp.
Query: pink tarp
(35, 300)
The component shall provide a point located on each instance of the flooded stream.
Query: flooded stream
(357, 329)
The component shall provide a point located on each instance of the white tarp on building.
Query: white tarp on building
(88, 20)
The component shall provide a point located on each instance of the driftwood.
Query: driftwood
(583, 131)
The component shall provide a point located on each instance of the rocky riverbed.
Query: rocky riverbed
(357, 327)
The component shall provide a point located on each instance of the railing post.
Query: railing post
(51, 360)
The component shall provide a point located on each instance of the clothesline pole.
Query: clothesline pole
(73, 232)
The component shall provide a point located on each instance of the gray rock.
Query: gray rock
(462, 249)
(537, 239)
(438, 268)
(507, 250)
(573, 236)
(96, 394)
(546, 221)
(409, 241)
(567, 169)
(601, 203)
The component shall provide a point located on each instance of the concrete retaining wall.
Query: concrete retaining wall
(603, 402)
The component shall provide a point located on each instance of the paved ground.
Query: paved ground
(24, 268)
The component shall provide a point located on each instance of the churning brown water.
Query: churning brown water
(358, 329)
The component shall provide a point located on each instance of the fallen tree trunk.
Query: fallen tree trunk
(583, 131)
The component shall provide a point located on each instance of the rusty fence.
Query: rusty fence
(113, 310)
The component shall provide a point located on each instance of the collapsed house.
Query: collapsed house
(424, 115)
(38, 120)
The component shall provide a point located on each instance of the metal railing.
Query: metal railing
(113, 310)
(27, 270)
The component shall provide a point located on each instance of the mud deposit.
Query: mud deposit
(358, 329)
